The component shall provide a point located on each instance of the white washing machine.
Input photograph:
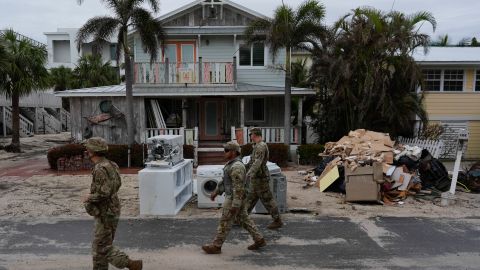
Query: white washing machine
(208, 177)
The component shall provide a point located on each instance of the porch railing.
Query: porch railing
(184, 72)
(269, 134)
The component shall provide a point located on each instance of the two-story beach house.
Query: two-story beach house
(207, 84)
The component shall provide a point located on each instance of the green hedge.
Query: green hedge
(278, 152)
(309, 153)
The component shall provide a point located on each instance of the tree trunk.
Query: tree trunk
(288, 98)
(15, 144)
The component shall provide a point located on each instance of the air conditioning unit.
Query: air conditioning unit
(278, 186)
(164, 151)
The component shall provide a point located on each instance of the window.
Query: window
(453, 80)
(432, 79)
(443, 80)
(252, 55)
(113, 51)
(477, 81)
(256, 109)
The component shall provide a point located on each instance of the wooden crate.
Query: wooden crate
(361, 184)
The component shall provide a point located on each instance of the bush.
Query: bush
(67, 151)
(278, 152)
(309, 154)
(117, 153)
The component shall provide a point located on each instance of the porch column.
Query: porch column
(184, 112)
(242, 112)
(300, 120)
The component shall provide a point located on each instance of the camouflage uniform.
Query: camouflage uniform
(259, 186)
(103, 204)
(233, 185)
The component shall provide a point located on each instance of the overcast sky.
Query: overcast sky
(460, 18)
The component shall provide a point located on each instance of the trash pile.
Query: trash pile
(368, 166)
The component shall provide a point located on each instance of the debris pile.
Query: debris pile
(368, 166)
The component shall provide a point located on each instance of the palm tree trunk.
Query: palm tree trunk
(129, 96)
(288, 98)
(15, 144)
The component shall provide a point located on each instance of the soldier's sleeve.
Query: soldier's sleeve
(220, 189)
(250, 162)
(101, 188)
(257, 164)
(237, 174)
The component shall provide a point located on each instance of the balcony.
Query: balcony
(184, 73)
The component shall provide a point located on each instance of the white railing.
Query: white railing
(179, 73)
(26, 126)
(269, 134)
(435, 147)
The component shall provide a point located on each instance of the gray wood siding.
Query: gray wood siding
(274, 110)
(219, 48)
(113, 130)
(270, 75)
(228, 16)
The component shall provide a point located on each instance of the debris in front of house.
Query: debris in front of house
(368, 166)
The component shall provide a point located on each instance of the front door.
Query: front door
(211, 119)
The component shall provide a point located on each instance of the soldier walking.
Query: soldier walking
(103, 204)
(259, 178)
(233, 185)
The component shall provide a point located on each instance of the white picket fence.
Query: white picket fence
(435, 147)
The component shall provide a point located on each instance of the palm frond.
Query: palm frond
(97, 28)
(150, 30)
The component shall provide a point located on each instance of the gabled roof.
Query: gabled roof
(197, 2)
(448, 55)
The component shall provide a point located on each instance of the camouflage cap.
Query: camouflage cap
(96, 144)
(231, 145)
(256, 131)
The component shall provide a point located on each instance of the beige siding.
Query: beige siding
(469, 77)
(473, 147)
(450, 104)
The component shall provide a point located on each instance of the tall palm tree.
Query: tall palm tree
(61, 78)
(128, 14)
(24, 73)
(288, 29)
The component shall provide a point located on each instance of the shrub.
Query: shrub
(117, 153)
(309, 154)
(67, 151)
(278, 152)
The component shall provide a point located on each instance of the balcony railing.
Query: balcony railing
(184, 72)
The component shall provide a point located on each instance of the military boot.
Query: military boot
(135, 265)
(212, 249)
(277, 223)
(258, 244)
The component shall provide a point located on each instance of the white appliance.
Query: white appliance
(208, 177)
(164, 151)
(164, 191)
(272, 167)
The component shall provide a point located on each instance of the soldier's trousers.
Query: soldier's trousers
(259, 189)
(227, 219)
(103, 250)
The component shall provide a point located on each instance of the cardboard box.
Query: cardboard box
(361, 184)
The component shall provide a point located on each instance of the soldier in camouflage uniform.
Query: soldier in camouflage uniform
(259, 178)
(103, 204)
(233, 185)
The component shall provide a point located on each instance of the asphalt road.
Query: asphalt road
(304, 243)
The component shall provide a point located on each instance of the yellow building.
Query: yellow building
(452, 90)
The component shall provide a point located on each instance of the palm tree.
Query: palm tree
(442, 41)
(61, 78)
(128, 14)
(91, 72)
(289, 29)
(23, 73)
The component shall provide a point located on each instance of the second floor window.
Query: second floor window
(443, 80)
(113, 51)
(477, 81)
(252, 55)
(453, 80)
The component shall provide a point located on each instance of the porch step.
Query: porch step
(211, 157)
